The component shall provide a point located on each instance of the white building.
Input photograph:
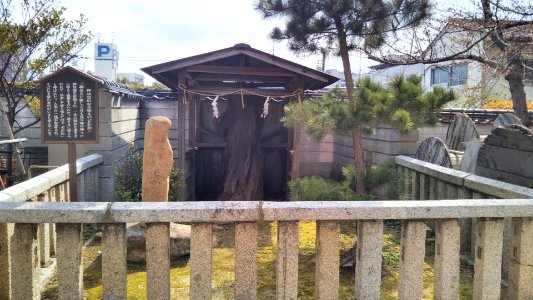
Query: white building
(106, 60)
(132, 77)
(342, 79)
(471, 80)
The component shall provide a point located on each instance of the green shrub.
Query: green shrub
(382, 174)
(322, 189)
(128, 178)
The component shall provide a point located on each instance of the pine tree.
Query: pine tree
(495, 34)
(316, 26)
(403, 104)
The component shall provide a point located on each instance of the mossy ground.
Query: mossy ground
(224, 262)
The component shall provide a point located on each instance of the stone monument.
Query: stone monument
(157, 164)
(157, 160)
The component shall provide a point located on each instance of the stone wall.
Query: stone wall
(121, 123)
(317, 158)
(326, 158)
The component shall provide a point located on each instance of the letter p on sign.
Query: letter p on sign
(103, 50)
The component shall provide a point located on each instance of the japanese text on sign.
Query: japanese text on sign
(69, 109)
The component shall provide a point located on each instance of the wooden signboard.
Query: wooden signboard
(69, 107)
(69, 114)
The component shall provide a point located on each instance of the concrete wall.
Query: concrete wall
(317, 158)
(335, 151)
(326, 158)
(121, 122)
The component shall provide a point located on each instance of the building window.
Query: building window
(451, 75)
(439, 76)
(458, 75)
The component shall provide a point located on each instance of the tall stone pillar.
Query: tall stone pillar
(157, 161)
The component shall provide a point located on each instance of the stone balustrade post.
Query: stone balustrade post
(25, 263)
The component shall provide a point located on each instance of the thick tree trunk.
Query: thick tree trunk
(515, 78)
(244, 171)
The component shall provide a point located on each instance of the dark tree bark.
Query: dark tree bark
(350, 86)
(244, 160)
(515, 78)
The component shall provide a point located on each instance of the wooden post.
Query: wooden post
(192, 145)
(72, 174)
(181, 132)
(296, 146)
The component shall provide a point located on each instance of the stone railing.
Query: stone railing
(48, 187)
(420, 180)
(425, 181)
(68, 218)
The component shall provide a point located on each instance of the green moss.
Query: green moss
(224, 263)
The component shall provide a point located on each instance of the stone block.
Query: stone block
(180, 239)
(317, 156)
(496, 188)
(44, 244)
(521, 262)
(114, 273)
(343, 150)
(164, 104)
(317, 147)
(342, 160)
(56, 176)
(6, 233)
(390, 148)
(106, 187)
(158, 261)
(246, 260)
(17, 193)
(35, 186)
(447, 259)
(200, 261)
(368, 259)
(287, 260)
(412, 252)
(25, 260)
(387, 133)
(488, 258)
(327, 260)
(323, 169)
(69, 261)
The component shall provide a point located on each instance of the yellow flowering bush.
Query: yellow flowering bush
(504, 104)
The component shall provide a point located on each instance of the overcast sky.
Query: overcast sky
(156, 31)
(149, 32)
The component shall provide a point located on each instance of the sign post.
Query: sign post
(69, 114)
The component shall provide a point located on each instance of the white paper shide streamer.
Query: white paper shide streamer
(265, 106)
(216, 113)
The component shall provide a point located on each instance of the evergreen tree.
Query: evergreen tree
(34, 37)
(320, 25)
(496, 34)
(403, 104)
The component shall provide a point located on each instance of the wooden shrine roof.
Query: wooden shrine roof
(238, 67)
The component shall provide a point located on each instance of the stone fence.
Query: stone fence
(370, 215)
(50, 187)
(420, 180)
